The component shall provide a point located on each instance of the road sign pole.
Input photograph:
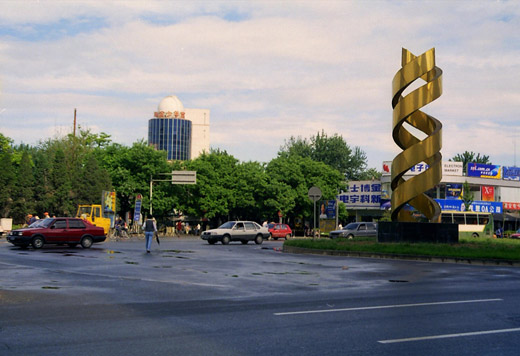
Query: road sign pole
(314, 214)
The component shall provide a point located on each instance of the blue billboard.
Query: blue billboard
(511, 173)
(477, 206)
(481, 170)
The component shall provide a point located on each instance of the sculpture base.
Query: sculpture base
(417, 232)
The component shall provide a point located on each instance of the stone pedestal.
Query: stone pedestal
(417, 232)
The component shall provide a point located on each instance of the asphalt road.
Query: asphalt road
(191, 298)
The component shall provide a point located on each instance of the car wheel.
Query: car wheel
(275, 238)
(86, 242)
(38, 242)
(72, 245)
(225, 240)
(288, 236)
(258, 239)
(211, 241)
(350, 236)
(244, 242)
(474, 234)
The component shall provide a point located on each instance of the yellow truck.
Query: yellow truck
(101, 215)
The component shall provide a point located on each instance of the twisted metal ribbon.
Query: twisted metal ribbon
(406, 109)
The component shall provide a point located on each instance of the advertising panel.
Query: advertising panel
(364, 194)
(511, 206)
(478, 206)
(448, 168)
(453, 190)
(481, 170)
(511, 173)
(488, 193)
(415, 170)
(452, 168)
(328, 209)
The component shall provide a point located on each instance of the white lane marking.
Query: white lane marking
(389, 306)
(449, 335)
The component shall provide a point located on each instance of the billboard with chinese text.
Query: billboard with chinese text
(364, 194)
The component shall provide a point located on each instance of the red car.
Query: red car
(70, 231)
(282, 231)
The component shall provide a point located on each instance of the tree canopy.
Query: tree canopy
(58, 174)
(333, 151)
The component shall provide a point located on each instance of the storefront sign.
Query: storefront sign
(448, 168)
(511, 173)
(452, 168)
(414, 170)
(488, 193)
(511, 206)
(484, 171)
(477, 206)
(364, 194)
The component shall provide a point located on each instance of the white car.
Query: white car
(243, 231)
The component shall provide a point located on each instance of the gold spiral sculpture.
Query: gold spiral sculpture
(406, 109)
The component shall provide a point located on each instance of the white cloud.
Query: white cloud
(266, 70)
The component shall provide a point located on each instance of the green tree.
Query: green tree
(333, 151)
(7, 176)
(290, 178)
(214, 196)
(131, 169)
(59, 198)
(23, 190)
(467, 157)
(467, 195)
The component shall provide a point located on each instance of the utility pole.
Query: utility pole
(74, 131)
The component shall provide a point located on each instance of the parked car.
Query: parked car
(353, 230)
(282, 231)
(516, 235)
(243, 231)
(70, 231)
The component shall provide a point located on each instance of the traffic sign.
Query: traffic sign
(184, 177)
(315, 194)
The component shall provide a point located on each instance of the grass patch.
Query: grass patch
(478, 248)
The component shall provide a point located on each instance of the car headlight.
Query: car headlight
(17, 233)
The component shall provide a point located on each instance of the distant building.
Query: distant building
(182, 133)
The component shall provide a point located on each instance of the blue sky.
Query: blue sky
(267, 70)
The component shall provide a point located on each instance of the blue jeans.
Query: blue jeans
(149, 239)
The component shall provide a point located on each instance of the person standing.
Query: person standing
(149, 229)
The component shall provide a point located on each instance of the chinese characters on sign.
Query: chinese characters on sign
(477, 206)
(362, 194)
(511, 206)
(169, 114)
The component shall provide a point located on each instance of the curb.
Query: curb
(436, 259)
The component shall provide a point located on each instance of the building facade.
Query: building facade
(182, 133)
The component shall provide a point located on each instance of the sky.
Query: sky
(266, 70)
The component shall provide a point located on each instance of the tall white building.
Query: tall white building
(182, 133)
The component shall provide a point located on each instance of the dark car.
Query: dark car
(282, 231)
(70, 231)
(358, 229)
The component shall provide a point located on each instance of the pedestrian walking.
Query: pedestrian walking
(150, 227)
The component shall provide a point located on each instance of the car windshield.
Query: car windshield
(350, 227)
(270, 226)
(41, 223)
(228, 225)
